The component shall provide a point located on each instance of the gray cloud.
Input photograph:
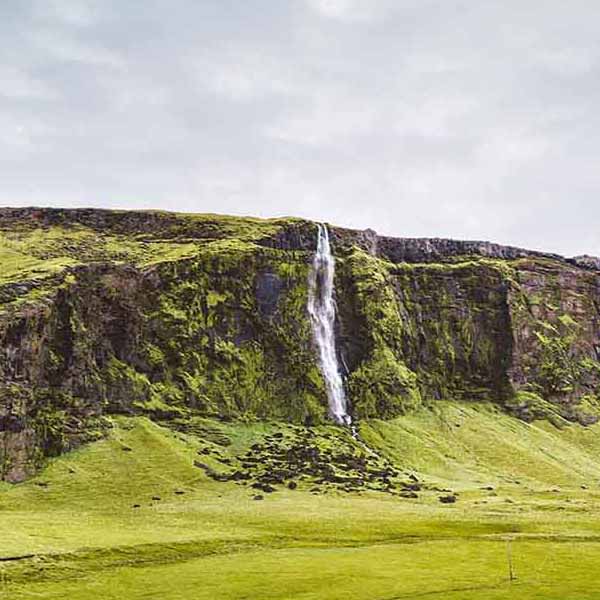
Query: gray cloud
(457, 118)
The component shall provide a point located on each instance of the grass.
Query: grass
(40, 253)
(77, 518)
(35, 257)
(36, 251)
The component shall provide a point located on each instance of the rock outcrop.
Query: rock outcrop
(170, 315)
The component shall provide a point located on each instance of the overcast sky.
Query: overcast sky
(477, 119)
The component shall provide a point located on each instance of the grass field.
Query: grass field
(131, 517)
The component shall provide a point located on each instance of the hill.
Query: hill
(131, 516)
(166, 427)
(171, 316)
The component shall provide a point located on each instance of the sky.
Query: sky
(472, 119)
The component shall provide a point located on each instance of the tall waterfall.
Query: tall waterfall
(321, 308)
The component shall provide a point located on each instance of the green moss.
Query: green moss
(554, 348)
(383, 387)
(375, 297)
(211, 339)
(38, 253)
(562, 369)
(446, 323)
(381, 384)
(559, 372)
(127, 389)
(567, 321)
(17, 265)
(213, 298)
(530, 406)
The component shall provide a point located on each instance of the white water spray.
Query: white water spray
(321, 308)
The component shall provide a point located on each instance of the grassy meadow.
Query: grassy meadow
(133, 517)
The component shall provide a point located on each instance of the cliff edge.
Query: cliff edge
(168, 315)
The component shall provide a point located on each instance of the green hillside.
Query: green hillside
(167, 422)
(132, 517)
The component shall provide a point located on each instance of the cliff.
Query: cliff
(169, 315)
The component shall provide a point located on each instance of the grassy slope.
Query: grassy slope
(468, 444)
(213, 541)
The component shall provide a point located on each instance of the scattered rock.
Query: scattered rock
(412, 487)
(408, 495)
(449, 499)
(258, 497)
(302, 455)
(264, 487)
(240, 476)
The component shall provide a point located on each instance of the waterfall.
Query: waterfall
(321, 308)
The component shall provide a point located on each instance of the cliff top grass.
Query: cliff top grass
(140, 224)
(38, 245)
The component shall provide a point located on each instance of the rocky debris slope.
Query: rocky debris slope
(174, 315)
(318, 459)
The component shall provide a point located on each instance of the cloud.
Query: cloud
(458, 119)
(18, 84)
(347, 10)
(60, 47)
(82, 13)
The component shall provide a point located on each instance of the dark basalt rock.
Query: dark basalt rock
(264, 487)
(450, 499)
(408, 495)
(268, 290)
(412, 487)
(240, 476)
(427, 250)
(296, 456)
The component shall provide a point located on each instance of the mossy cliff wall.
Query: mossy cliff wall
(166, 314)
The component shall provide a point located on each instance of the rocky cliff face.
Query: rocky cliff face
(169, 315)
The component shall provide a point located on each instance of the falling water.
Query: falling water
(321, 307)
